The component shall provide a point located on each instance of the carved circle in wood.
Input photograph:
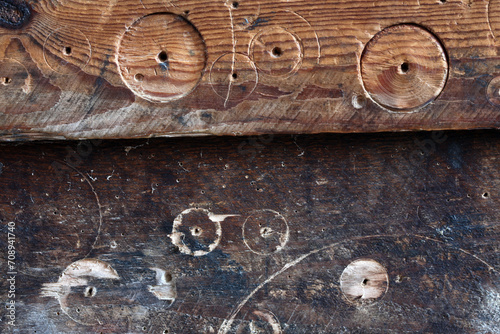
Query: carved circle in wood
(67, 51)
(276, 51)
(161, 57)
(404, 68)
(233, 76)
(196, 232)
(265, 232)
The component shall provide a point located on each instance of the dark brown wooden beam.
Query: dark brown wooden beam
(385, 233)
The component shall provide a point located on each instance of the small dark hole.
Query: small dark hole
(277, 52)
(139, 77)
(365, 281)
(67, 51)
(6, 81)
(486, 195)
(405, 67)
(162, 56)
(235, 76)
(186, 12)
(168, 277)
(236, 4)
(442, 1)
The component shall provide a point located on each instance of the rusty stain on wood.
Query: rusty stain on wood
(129, 69)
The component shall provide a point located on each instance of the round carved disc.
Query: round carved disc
(404, 68)
(161, 57)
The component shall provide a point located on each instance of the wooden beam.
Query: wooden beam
(86, 69)
(385, 233)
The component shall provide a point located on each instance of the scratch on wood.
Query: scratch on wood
(98, 204)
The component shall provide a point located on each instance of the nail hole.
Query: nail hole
(365, 281)
(165, 331)
(139, 77)
(90, 291)
(162, 57)
(6, 81)
(67, 51)
(168, 277)
(186, 12)
(234, 76)
(236, 4)
(442, 1)
(196, 231)
(486, 195)
(405, 67)
(277, 52)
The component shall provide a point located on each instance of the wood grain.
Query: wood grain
(242, 67)
(372, 233)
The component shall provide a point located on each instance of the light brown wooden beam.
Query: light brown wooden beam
(142, 68)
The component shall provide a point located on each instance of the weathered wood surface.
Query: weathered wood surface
(388, 233)
(86, 69)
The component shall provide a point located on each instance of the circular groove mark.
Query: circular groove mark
(404, 68)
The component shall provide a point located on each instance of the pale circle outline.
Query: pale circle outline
(281, 246)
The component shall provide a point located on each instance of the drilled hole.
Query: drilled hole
(67, 51)
(90, 291)
(365, 281)
(162, 57)
(486, 195)
(277, 52)
(234, 76)
(196, 231)
(236, 4)
(442, 1)
(139, 77)
(405, 67)
(6, 81)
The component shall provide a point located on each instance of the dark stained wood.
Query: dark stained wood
(87, 69)
(386, 233)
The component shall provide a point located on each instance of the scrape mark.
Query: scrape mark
(233, 37)
(75, 275)
(165, 288)
(14, 14)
